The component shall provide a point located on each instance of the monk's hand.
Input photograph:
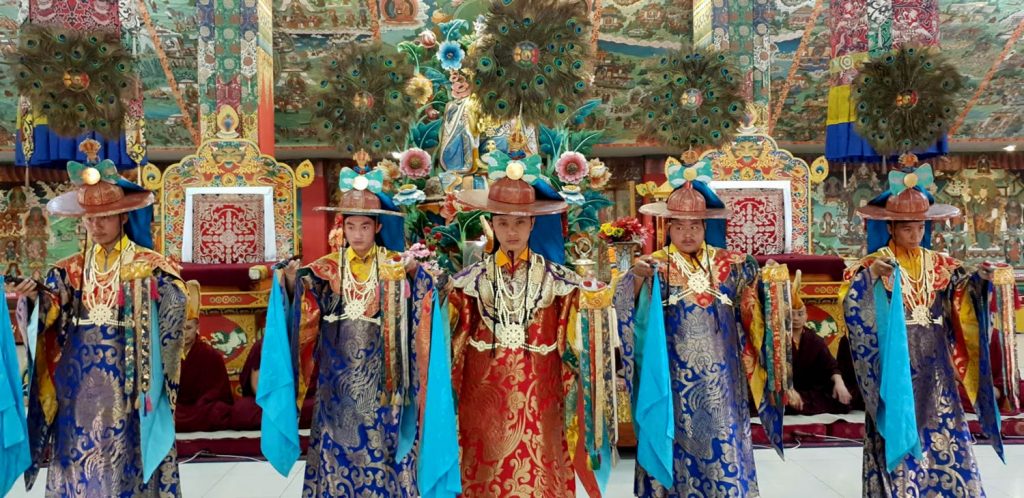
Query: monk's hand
(411, 265)
(794, 400)
(25, 288)
(840, 392)
(289, 273)
(880, 268)
(644, 267)
(985, 271)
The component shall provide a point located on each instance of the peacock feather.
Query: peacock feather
(532, 60)
(905, 99)
(78, 80)
(694, 100)
(362, 103)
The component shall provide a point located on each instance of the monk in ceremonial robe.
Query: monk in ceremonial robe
(350, 310)
(515, 348)
(720, 339)
(106, 347)
(205, 402)
(818, 385)
(919, 324)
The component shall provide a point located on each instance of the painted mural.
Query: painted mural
(31, 240)
(988, 188)
(629, 32)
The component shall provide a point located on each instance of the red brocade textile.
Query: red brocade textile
(227, 228)
(511, 407)
(757, 224)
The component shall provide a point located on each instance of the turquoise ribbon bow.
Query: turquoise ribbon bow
(348, 180)
(920, 177)
(106, 167)
(678, 173)
(655, 411)
(896, 414)
(498, 166)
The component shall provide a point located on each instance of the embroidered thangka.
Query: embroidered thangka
(947, 340)
(92, 363)
(718, 356)
(364, 360)
(511, 383)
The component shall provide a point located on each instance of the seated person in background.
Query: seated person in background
(818, 385)
(247, 414)
(204, 395)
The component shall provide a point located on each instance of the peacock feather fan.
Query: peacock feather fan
(78, 80)
(905, 99)
(362, 103)
(532, 60)
(694, 100)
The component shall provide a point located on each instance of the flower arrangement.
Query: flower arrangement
(425, 255)
(624, 230)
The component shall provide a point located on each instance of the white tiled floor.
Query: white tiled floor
(806, 473)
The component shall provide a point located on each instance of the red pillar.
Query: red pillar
(315, 224)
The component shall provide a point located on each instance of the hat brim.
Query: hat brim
(661, 210)
(478, 200)
(937, 212)
(67, 205)
(359, 212)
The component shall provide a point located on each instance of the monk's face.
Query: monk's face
(105, 230)
(189, 332)
(907, 234)
(686, 235)
(512, 232)
(799, 319)
(361, 233)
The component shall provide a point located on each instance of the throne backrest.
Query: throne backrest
(228, 203)
(767, 190)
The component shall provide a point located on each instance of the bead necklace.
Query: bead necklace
(102, 288)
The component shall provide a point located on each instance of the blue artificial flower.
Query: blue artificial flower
(451, 54)
(572, 195)
(409, 195)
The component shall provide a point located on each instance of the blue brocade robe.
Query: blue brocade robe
(82, 415)
(938, 358)
(708, 344)
(355, 431)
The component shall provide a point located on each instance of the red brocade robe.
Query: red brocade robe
(511, 399)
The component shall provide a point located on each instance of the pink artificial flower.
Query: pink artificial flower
(415, 163)
(571, 167)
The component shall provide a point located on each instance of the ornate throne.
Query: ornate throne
(226, 214)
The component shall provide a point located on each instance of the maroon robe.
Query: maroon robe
(204, 396)
(813, 368)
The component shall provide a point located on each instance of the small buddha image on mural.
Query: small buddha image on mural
(398, 11)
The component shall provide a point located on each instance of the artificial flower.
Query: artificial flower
(420, 88)
(599, 174)
(415, 163)
(449, 208)
(451, 54)
(571, 167)
(409, 195)
(572, 195)
(624, 230)
(389, 168)
(420, 252)
(428, 39)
